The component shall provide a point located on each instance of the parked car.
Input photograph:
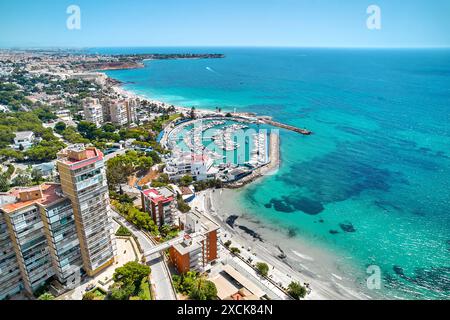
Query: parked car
(90, 287)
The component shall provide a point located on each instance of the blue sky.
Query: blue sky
(316, 23)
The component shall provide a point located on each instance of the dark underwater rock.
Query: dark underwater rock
(251, 232)
(347, 227)
(399, 271)
(231, 220)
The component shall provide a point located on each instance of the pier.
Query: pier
(266, 169)
(285, 126)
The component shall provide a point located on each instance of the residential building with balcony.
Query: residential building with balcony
(83, 181)
(160, 204)
(10, 277)
(199, 249)
(132, 105)
(39, 222)
(93, 111)
(199, 166)
(118, 112)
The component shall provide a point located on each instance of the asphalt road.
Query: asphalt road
(160, 277)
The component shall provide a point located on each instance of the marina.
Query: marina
(228, 150)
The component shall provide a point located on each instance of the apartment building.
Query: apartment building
(118, 112)
(93, 111)
(132, 105)
(42, 236)
(83, 181)
(199, 166)
(199, 248)
(160, 204)
(59, 224)
(10, 277)
(122, 112)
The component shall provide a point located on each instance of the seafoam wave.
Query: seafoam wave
(303, 256)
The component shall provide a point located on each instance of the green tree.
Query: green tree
(42, 152)
(131, 273)
(144, 163)
(203, 289)
(137, 217)
(117, 170)
(60, 127)
(164, 178)
(296, 290)
(262, 268)
(45, 114)
(155, 157)
(235, 250)
(186, 180)
(128, 280)
(183, 206)
(121, 291)
(9, 153)
(87, 129)
(4, 183)
(71, 135)
(165, 229)
(6, 136)
(108, 127)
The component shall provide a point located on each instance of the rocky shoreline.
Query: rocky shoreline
(136, 61)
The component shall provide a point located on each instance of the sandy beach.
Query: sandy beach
(293, 258)
(179, 109)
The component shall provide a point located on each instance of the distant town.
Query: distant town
(103, 192)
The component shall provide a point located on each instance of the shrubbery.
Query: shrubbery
(263, 268)
(131, 280)
(140, 219)
(123, 232)
(296, 290)
(196, 287)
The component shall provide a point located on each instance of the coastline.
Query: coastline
(302, 262)
(295, 258)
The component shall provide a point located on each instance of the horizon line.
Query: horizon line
(20, 47)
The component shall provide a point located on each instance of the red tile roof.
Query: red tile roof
(50, 194)
(155, 196)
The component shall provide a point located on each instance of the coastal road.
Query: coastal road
(160, 277)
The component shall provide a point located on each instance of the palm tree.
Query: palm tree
(192, 113)
(46, 296)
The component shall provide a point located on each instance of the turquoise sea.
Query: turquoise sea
(376, 172)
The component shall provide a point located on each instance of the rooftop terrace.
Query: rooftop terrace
(79, 155)
(43, 195)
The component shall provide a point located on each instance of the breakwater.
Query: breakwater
(285, 126)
